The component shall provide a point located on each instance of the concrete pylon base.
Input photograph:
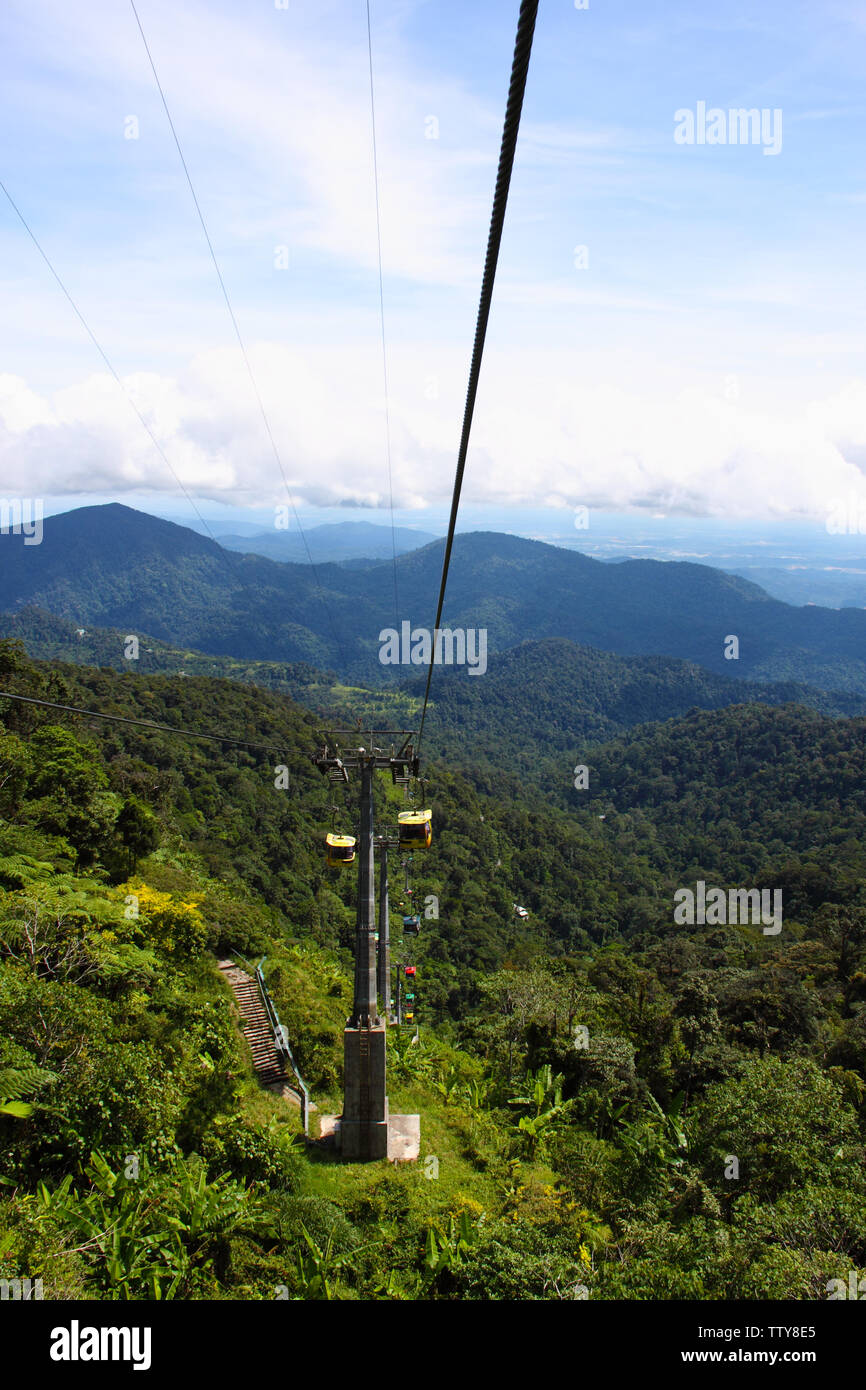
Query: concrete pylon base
(403, 1138)
(364, 1123)
(362, 1142)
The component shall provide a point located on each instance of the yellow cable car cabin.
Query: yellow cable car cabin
(340, 850)
(415, 829)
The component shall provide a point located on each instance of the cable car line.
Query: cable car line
(511, 126)
(227, 556)
(143, 723)
(382, 317)
(92, 336)
(241, 345)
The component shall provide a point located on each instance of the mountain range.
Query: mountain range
(111, 566)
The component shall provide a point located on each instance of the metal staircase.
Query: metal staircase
(265, 1035)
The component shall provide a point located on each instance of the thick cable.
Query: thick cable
(142, 723)
(514, 107)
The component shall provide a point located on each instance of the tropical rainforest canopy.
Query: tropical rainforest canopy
(611, 1105)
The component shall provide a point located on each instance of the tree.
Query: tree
(786, 1123)
(138, 829)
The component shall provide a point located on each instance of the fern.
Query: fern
(23, 1080)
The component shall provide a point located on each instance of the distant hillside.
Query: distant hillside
(49, 638)
(344, 540)
(114, 567)
(539, 711)
(838, 588)
(545, 699)
(779, 792)
(118, 568)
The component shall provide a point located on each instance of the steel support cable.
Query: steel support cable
(511, 126)
(86, 326)
(227, 556)
(382, 318)
(143, 723)
(247, 363)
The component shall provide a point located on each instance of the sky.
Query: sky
(677, 328)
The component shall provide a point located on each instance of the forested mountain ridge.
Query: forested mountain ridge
(114, 567)
(48, 637)
(597, 1163)
(542, 705)
(538, 708)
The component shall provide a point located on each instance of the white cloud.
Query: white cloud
(279, 111)
(537, 433)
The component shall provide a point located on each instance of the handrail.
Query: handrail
(243, 960)
(281, 1042)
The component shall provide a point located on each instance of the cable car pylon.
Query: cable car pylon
(366, 1130)
(383, 946)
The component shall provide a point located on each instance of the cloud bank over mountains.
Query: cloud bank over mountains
(539, 438)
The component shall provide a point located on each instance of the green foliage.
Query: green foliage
(788, 1123)
(445, 1250)
(585, 1076)
(251, 1153)
(516, 1262)
(156, 1235)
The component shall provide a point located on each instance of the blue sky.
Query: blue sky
(707, 360)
